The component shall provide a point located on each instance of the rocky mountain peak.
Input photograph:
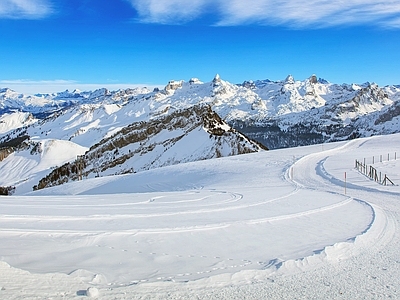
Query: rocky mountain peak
(249, 84)
(194, 81)
(289, 79)
(173, 85)
(313, 79)
(216, 79)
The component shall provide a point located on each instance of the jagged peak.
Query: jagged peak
(323, 81)
(101, 91)
(195, 80)
(289, 79)
(65, 94)
(173, 85)
(313, 79)
(217, 78)
(365, 84)
(248, 84)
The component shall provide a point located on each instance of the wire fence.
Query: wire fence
(371, 172)
(380, 158)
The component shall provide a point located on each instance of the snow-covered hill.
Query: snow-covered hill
(24, 168)
(186, 135)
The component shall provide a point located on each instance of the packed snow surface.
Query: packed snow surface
(292, 223)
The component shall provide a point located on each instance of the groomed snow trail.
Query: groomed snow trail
(275, 231)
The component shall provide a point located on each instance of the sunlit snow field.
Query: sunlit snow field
(235, 220)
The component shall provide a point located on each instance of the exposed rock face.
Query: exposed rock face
(173, 85)
(313, 79)
(4, 152)
(249, 84)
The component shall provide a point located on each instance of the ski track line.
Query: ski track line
(129, 216)
(382, 228)
(302, 214)
(188, 228)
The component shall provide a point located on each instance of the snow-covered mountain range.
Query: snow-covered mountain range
(171, 125)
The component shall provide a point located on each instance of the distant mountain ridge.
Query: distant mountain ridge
(272, 112)
(276, 114)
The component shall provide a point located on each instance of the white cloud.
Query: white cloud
(393, 23)
(303, 13)
(25, 9)
(170, 11)
(32, 87)
(291, 13)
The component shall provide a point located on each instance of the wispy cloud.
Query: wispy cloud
(393, 23)
(170, 11)
(32, 87)
(25, 9)
(291, 13)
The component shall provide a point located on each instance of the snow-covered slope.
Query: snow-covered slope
(24, 168)
(10, 121)
(278, 224)
(186, 135)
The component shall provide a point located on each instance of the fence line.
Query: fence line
(372, 173)
(381, 158)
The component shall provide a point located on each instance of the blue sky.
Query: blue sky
(51, 45)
